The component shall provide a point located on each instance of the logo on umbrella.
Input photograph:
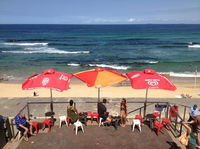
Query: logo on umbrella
(152, 82)
(62, 77)
(45, 81)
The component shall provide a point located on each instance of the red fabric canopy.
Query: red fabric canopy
(58, 81)
(149, 79)
(100, 77)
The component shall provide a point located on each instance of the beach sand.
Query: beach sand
(12, 95)
(80, 89)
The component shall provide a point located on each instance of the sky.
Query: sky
(99, 11)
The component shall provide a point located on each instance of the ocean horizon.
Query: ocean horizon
(26, 49)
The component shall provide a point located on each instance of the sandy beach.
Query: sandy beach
(80, 89)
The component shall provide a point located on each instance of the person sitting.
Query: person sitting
(193, 112)
(173, 113)
(72, 112)
(102, 111)
(23, 125)
(123, 112)
(193, 131)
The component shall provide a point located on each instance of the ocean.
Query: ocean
(29, 49)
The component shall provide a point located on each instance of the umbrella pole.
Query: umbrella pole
(98, 94)
(145, 103)
(51, 104)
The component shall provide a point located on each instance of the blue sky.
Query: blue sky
(99, 11)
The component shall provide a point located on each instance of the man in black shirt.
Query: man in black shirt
(102, 110)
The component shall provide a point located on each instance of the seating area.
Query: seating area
(154, 123)
(98, 138)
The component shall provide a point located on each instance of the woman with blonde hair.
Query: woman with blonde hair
(123, 112)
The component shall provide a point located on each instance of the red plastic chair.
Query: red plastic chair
(166, 122)
(35, 125)
(158, 126)
(68, 120)
(48, 123)
(90, 116)
(156, 114)
(139, 117)
(95, 115)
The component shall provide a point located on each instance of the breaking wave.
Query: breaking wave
(110, 66)
(194, 46)
(173, 74)
(46, 50)
(26, 44)
(73, 64)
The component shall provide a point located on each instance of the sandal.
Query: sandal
(26, 139)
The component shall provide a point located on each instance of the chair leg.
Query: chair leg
(37, 129)
(82, 129)
(158, 130)
(43, 126)
(66, 123)
(60, 124)
(76, 130)
(100, 121)
(133, 127)
(49, 126)
(91, 119)
(140, 128)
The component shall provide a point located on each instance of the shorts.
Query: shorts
(22, 130)
(104, 116)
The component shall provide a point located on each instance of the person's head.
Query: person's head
(104, 101)
(123, 100)
(71, 102)
(175, 105)
(195, 107)
(21, 114)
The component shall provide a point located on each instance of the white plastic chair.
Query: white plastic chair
(136, 122)
(100, 121)
(78, 124)
(63, 119)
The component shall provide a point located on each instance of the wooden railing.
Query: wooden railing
(139, 111)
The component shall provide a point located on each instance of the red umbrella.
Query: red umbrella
(149, 79)
(51, 79)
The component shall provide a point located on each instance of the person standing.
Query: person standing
(173, 113)
(194, 111)
(123, 112)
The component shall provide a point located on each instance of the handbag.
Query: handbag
(183, 139)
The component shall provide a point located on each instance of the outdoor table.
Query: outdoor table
(151, 118)
(115, 120)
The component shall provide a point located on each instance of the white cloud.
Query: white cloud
(131, 20)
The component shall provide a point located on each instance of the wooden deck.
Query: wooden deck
(100, 138)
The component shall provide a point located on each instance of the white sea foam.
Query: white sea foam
(46, 50)
(151, 62)
(73, 64)
(110, 66)
(25, 44)
(194, 46)
(173, 74)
